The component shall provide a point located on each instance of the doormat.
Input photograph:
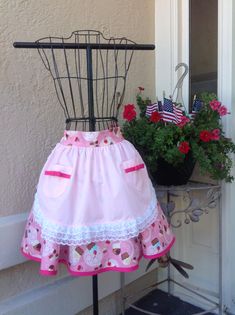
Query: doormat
(160, 302)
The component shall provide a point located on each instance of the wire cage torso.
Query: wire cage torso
(89, 75)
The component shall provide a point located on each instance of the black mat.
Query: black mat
(160, 302)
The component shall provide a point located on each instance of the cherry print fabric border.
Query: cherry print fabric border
(97, 257)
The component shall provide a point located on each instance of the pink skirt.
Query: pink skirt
(95, 208)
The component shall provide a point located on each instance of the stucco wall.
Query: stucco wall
(31, 118)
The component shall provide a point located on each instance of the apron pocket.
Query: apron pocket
(56, 179)
(135, 172)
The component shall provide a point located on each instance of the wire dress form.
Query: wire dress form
(76, 71)
(95, 208)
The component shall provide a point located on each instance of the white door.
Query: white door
(198, 243)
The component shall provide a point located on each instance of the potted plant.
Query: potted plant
(171, 147)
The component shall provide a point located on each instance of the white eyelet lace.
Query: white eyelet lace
(67, 235)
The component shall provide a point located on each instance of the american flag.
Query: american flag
(197, 105)
(159, 104)
(151, 109)
(170, 112)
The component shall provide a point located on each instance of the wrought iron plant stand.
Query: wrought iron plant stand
(190, 213)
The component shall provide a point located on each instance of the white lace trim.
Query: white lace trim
(67, 235)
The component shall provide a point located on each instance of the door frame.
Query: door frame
(225, 93)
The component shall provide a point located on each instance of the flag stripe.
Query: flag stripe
(170, 112)
(151, 109)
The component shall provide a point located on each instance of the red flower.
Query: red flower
(215, 105)
(155, 117)
(184, 120)
(129, 112)
(215, 134)
(205, 135)
(184, 147)
(141, 88)
(223, 110)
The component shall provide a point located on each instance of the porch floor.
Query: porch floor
(160, 302)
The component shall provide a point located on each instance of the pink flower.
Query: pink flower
(183, 122)
(215, 134)
(223, 110)
(215, 105)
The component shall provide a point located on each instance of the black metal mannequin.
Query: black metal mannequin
(90, 83)
(89, 74)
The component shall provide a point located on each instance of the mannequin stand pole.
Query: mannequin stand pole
(92, 128)
(88, 46)
(95, 295)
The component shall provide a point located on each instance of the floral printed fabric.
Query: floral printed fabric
(97, 257)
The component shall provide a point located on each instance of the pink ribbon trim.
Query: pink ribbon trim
(57, 173)
(134, 168)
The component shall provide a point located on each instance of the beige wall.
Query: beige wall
(28, 102)
(31, 118)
